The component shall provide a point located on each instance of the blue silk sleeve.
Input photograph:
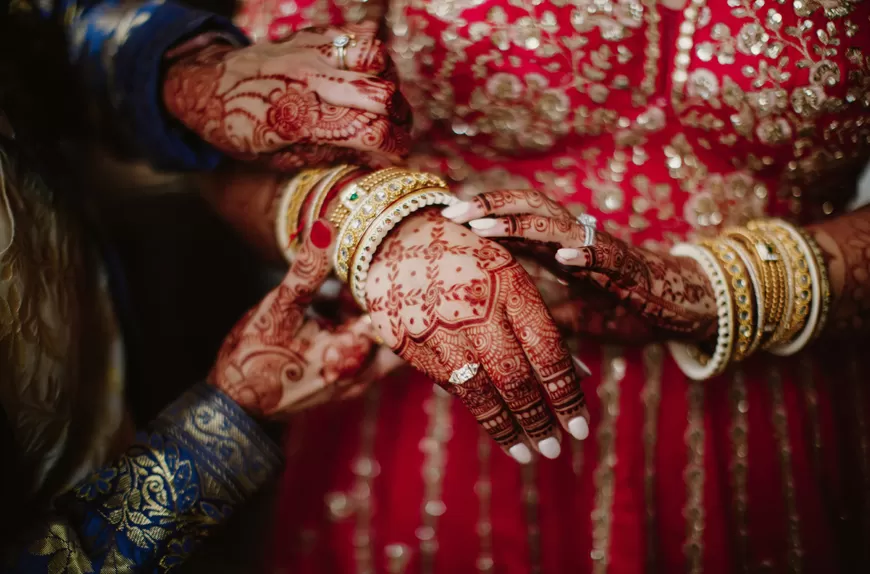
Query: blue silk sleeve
(199, 460)
(116, 49)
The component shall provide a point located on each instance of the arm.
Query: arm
(845, 243)
(197, 462)
(205, 455)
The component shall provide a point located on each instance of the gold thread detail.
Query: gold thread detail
(438, 432)
(739, 467)
(604, 477)
(483, 489)
(651, 395)
(693, 548)
(780, 429)
(530, 507)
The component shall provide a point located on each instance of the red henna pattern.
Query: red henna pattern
(231, 102)
(672, 295)
(273, 362)
(443, 297)
(845, 243)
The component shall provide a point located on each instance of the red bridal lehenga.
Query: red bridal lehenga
(664, 124)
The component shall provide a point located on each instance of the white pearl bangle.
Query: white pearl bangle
(381, 227)
(687, 355)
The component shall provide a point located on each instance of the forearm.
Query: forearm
(253, 202)
(199, 460)
(845, 244)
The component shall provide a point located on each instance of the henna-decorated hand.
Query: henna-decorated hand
(441, 297)
(288, 104)
(671, 295)
(275, 362)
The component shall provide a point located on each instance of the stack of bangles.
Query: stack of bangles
(362, 208)
(772, 293)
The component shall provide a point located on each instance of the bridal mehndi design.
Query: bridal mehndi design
(258, 108)
(275, 361)
(448, 298)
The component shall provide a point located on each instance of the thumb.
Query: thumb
(312, 264)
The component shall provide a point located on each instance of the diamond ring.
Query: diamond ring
(464, 373)
(589, 224)
(341, 43)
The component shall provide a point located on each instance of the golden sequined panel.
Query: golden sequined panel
(58, 342)
(664, 122)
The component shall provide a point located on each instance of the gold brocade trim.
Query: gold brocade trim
(739, 468)
(236, 458)
(693, 548)
(780, 429)
(602, 515)
(483, 489)
(365, 468)
(530, 507)
(67, 554)
(651, 395)
(438, 432)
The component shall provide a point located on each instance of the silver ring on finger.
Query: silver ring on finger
(464, 374)
(341, 43)
(589, 223)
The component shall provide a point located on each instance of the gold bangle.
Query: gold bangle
(772, 273)
(741, 293)
(824, 282)
(354, 193)
(802, 280)
(381, 227)
(289, 208)
(321, 192)
(371, 205)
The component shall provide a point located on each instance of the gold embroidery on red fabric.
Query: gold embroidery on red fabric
(651, 396)
(780, 428)
(483, 489)
(693, 547)
(434, 448)
(365, 468)
(739, 468)
(613, 371)
(806, 380)
(530, 508)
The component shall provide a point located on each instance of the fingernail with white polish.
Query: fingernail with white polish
(568, 254)
(482, 224)
(549, 447)
(579, 428)
(455, 210)
(582, 367)
(521, 453)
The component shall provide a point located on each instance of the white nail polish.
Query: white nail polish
(485, 223)
(549, 447)
(330, 289)
(584, 370)
(454, 210)
(568, 254)
(578, 428)
(521, 453)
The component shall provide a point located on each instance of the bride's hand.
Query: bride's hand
(442, 298)
(671, 294)
(295, 103)
(276, 361)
